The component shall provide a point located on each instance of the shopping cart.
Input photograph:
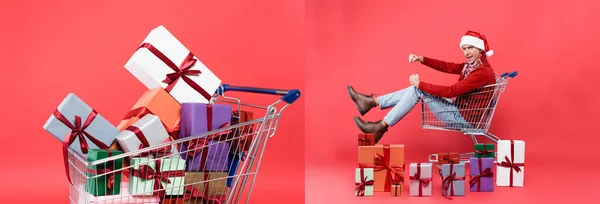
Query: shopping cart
(155, 173)
(471, 116)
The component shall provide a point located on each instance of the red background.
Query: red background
(550, 105)
(55, 47)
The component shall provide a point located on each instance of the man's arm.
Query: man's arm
(447, 67)
(476, 79)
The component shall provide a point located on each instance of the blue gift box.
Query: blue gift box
(72, 106)
(233, 160)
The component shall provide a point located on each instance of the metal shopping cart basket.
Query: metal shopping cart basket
(157, 169)
(470, 114)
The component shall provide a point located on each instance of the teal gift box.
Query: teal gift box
(144, 173)
(109, 182)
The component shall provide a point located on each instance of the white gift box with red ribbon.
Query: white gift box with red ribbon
(510, 160)
(163, 61)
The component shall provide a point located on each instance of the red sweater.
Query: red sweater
(470, 105)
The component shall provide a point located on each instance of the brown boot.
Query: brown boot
(371, 127)
(362, 101)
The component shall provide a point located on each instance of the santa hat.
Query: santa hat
(476, 40)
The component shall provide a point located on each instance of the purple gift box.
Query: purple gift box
(482, 174)
(195, 120)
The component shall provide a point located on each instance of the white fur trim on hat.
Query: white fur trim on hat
(475, 42)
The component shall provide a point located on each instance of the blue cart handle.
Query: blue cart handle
(289, 96)
(511, 75)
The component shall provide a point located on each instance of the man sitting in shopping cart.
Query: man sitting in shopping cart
(462, 113)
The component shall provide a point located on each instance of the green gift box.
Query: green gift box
(144, 174)
(108, 183)
(484, 151)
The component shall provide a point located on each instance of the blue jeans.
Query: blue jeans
(404, 100)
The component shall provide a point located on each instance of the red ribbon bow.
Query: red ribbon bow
(143, 111)
(485, 151)
(360, 186)
(77, 132)
(423, 182)
(508, 163)
(486, 173)
(383, 162)
(182, 71)
(449, 159)
(364, 140)
(448, 183)
(146, 172)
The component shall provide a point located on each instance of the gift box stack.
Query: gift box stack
(381, 169)
(175, 106)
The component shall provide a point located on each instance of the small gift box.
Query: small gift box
(233, 161)
(108, 184)
(145, 132)
(160, 177)
(448, 158)
(363, 185)
(242, 137)
(209, 183)
(484, 150)
(510, 163)
(193, 196)
(481, 174)
(396, 190)
(453, 180)
(80, 128)
(155, 102)
(163, 61)
(421, 179)
(366, 139)
(196, 119)
(388, 164)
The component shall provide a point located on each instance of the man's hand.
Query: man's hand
(414, 80)
(412, 58)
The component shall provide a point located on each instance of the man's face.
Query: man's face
(471, 53)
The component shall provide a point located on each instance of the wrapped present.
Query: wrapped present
(481, 174)
(193, 196)
(484, 150)
(163, 61)
(233, 161)
(511, 163)
(209, 183)
(104, 185)
(421, 179)
(448, 158)
(242, 137)
(80, 128)
(204, 153)
(123, 198)
(156, 102)
(157, 176)
(366, 139)
(363, 183)
(396, 190)
(145, 132)
(387, 162)
(453, 180)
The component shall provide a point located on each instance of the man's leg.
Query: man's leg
(402, 101)
(444, 111)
